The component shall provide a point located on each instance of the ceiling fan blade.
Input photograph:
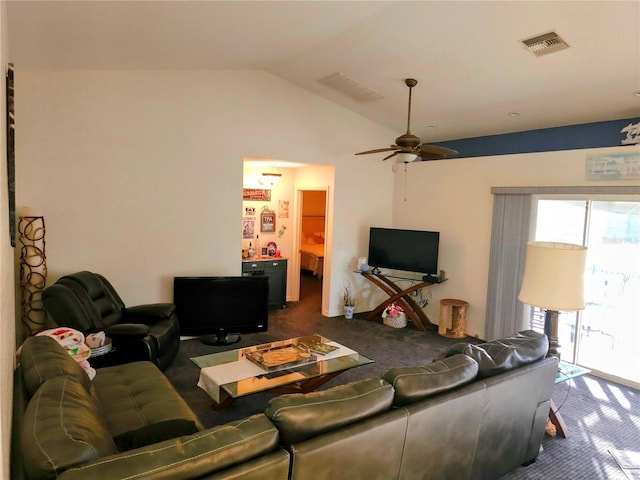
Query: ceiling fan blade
(434, 152)
(409, 143)
(378, 150)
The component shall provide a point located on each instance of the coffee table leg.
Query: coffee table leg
(226, 400)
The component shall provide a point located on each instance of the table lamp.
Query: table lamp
(554, 280)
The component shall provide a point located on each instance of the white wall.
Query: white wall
(7, 286)
(454, 197)
(139, 173)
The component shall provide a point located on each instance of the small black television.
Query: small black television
(217, 309)
(407, 250)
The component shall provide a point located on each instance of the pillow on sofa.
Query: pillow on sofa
(42, 358)
(506, 353)
(154, 433)
(301, 416)
(416, 383)
(62, 428)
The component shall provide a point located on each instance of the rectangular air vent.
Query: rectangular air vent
(545, 43)
(350, 87)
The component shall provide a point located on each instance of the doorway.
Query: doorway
(313, 228)
(602, 337)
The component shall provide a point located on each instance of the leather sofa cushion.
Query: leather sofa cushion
(192, 456)
(62, 428)
(134, 395)
(158, 432)
(412, 384)
(506, 353)
(302, 416)
(43, 358)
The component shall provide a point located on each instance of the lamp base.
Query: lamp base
(551, 331)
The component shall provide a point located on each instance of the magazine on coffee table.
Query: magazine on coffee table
(317, 346)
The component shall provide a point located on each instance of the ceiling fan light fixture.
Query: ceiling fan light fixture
(403, 157)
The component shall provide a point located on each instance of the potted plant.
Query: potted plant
(349, 300)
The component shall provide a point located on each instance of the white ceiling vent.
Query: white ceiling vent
(545, 43)
(350, 87)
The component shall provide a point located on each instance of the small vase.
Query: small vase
(348, 311)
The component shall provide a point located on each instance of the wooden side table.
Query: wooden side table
(453, 312)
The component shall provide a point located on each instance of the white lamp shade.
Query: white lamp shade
(554, 276)
(404, 157)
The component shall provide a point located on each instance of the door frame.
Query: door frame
(296, 241)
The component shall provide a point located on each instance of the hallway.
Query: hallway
(310, 292)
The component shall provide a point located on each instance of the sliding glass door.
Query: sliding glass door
(604, 336)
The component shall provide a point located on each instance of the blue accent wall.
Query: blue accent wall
(572, 137)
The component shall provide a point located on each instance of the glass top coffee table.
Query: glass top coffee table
(294, 365)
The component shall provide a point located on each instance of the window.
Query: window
(604, 336)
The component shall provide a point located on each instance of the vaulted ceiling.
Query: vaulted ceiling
(475, 76)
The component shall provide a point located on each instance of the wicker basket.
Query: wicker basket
(399, 321)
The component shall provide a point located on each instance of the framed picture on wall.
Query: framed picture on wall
(256, 194)
(283, 208)
(268, 221)
(247, 227)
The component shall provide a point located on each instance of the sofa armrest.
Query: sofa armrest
(128, 330)
(43, 358)
(131, 342)
(506, 353)
(191, 456)
(148, 313)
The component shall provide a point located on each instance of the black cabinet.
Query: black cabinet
(276, 270)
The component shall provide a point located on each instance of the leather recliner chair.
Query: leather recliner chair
(87, 302)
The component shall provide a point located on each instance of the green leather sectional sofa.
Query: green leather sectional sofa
(476, 413)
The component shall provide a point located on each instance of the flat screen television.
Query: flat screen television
(407, 250)
(217, 309)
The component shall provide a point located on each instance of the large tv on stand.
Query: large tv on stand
(406, 250)
(218, 309)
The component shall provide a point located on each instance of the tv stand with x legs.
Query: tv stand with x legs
(401, 296)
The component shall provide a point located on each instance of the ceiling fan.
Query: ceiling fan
(410, 144)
